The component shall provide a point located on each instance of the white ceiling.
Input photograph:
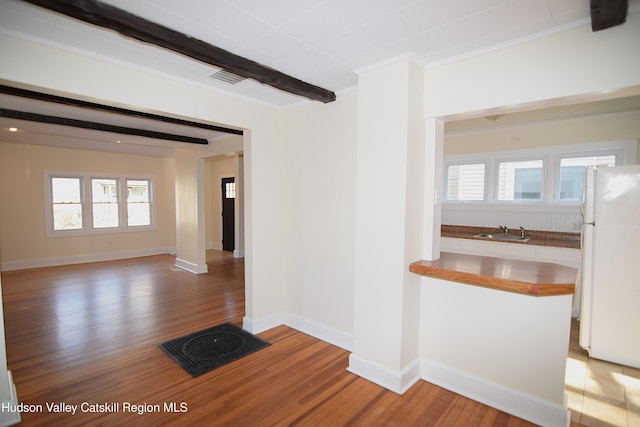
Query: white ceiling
(322, 42)
(318, 41)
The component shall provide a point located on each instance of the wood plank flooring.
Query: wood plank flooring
(88, 334)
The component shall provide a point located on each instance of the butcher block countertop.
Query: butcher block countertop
(520, 276)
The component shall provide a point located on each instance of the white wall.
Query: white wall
(292, 265)
(556, 70)
(23, 238)
(504, 349)
(568, 67)
(390, 182)
(66, 75)
(319, 206)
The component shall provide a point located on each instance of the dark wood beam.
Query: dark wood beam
(23, 93)
(83, 124)
(608, 13)
(129, 25)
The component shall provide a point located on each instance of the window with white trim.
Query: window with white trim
(553, 174)
(66, 202)
(465, 182)
(138, 202)
(104, 198)
(571, 175)
(520, 180)
(83, 204)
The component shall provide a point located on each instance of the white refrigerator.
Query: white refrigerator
(610, 306)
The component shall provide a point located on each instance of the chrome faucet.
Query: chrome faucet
(522, 234)
(505, 229)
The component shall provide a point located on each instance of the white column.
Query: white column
(389, 221)
(190, 213)
(433, 159)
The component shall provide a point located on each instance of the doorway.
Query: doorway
(228, 213)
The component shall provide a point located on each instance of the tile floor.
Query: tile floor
(600, 393)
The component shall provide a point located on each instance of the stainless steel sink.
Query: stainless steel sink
(505, 237)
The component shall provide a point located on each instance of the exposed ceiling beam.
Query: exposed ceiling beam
(129, 25)
(83, 124)
(608, 13)
(39, 96)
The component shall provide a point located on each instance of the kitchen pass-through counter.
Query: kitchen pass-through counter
(525, 277)
(497, 331)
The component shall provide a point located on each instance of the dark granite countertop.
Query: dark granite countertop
(538, 237)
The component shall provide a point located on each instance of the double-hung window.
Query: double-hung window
(138, 202)
(66, 202)
(104, 198)
(466, 181)
(520, 181)
(87, 205)
(571, 173)
(550, 175)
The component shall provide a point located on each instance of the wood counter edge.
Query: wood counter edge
(498, 283)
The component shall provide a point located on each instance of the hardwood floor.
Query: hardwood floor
(89, 333)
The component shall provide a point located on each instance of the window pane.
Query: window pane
(230, 190)
(66, 197)
(572, 175)
(465, 182)
(67, 217)
(138, 203)
(104, 195)
(520, 181)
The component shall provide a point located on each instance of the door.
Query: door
(228, 213)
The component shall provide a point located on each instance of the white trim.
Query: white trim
(255, 326)
(81, 259)
(511, 401)
(191, 267)
(332, 336)
(629, 147)
(408, 56)
(507, 400)
(396, 381)
(322, 332)
(86, 180)
(10, 418)
(520, 40)
(214, 245)
(237, 253)
(550, 156)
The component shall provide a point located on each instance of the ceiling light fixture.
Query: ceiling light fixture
(12, 129)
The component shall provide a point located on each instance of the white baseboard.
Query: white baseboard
(238, 253)
(507, 400)
(81, 259)
(396, 381)
(214, 245)
(332, 336)
(9, 418)
(510, 401)
(255, 326)
(191, 267)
